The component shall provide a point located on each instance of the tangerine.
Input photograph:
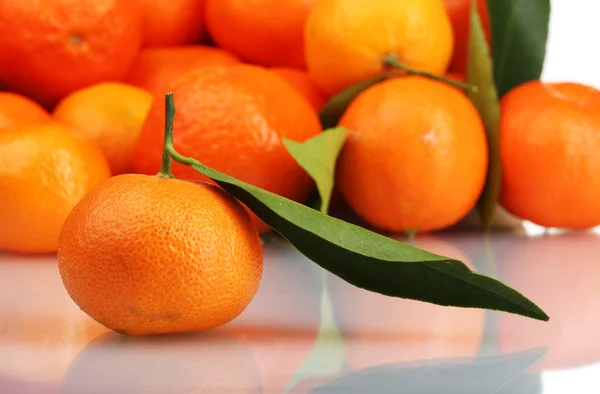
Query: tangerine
(548, 148)
(233, 119)
(346, 41)
(265, 32)
(44, 172)
(111, 114)
(50, 48)
(148, 255)
(420, 162)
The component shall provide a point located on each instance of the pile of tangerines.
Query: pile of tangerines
(82, 100)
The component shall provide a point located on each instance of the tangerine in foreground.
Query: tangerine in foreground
(148, 255)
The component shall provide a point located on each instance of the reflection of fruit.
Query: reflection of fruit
(380, 329)
(109, 114)
(460, 17)
(265, 32)
(233, 119)
(156, 68)
(145, 255)
(17, 110)
(42, 332)
(549, 149)
(202, 363)
(539, 268)
(280, 325)
(50, 48)
(171, 23)
(420, 164)
(44, 172)
(347, 40)
(300, 80)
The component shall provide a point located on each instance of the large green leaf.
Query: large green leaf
(480, 73)
(519, 36)
(363, 258)
(332, 112)
(318, 157)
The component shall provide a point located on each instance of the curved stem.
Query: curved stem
(165, 169)
(392, 60)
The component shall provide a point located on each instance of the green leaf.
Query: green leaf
(372, 261)
(480, 73)
(453, 375)
(332, 112)
(318, 157)
(519, 36)
(363, 258)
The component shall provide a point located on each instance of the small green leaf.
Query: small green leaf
(519, 37)
(481, 74)
(361, 257)
(452, 375)
(332, 112)
(318, 157)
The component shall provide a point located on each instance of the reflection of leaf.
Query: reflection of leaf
(519, 35)
(483, 375)
(361, 257)
(318, 157)
(481, 74)
(327, 357)
(336, 106)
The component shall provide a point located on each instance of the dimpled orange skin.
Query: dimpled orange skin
(416, 155)
(147, 255)
(300, 80)
(549, 144)
(111, 114)
(345, 41)
(265, 32)
(233, 119)
(44, 172)
(50, 48)
(17, 110)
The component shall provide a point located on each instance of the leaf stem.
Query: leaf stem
(165, 169)
(392, 60)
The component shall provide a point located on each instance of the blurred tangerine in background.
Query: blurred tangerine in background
(172, 23)
(17, 110)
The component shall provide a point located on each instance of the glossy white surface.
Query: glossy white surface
(384, 345)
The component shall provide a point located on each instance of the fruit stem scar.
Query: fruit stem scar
(165, 169)
(392, 60)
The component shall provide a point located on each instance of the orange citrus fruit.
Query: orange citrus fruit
(300, 80)
(50, 48)
(172, 23)
(548, 146)
(147, 255)
(346, 41)
(460, 17)
(265, 32)
(233, 119)
(17, 110)
(111, 114)
(156, 68)
(421, 163)
(44, 172)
